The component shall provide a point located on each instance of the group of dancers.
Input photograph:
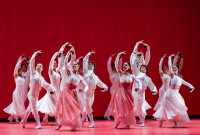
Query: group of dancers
(70, 94)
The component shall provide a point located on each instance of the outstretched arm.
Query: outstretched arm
(101, 85)
(117, 66)
(180, 65)
(160, 64)
(134, 64)
(86, 60)
(188, 84)
(152, 87)
(170, 64)
(175, 59)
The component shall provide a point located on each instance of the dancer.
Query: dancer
(121, 105)
(173, 106)
(17, 108)
(68, 109)
(92, 81)
(48, 103)
(164, 74)
(61, 66)
(139, 95)
(114, 79)
(37, 82)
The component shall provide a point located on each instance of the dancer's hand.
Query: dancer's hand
(154, 93)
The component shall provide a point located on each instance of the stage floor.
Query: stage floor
(104, 127)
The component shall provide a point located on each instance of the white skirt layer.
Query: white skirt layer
(172, 107)
(161, 94)
(47, 104)
(17, 107)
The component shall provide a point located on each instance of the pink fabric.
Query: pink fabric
(174, 87)
(122, 105)
(68, 109)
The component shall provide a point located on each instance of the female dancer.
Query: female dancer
(122, 106)
(37, 82)
(68, 109)
(163, 70)
(17, 107)
(114, 79)
(173, 105)
(61, 66)
(139, 95)
(48, 103)
(180, 64)
(92, 81)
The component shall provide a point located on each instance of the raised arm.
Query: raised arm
(160, 65)
(147, 55)
(180, 65)
(109, 66)
(170, 65)
(32, 62)
(17, 66)
(61, 52)
(73, 58)
(85, 62)
(175, 59)
(117, 66)
(133, 64)
(52, 60)
(66, 60)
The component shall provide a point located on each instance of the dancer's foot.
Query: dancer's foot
(23, 123)
(175, 124)
(74, 129)
(160, 123)
(58, 127)
(86, 119)
(45, 120)
(116, 125)
(142, 125)
(92, 126)
(127, 127)
(38, 127)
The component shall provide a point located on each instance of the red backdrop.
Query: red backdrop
(106, 26)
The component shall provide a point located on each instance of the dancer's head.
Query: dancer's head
(139, 58)
(80, 70)
(126, 67)
(75, 67)
(39, 67)
(175, 69)
(144, 69)
(23, 67)
(165, 69)
(91, 65)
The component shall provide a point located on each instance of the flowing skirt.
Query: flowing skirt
(68, 109)
(17, 107)
(122, 106)
(47, 104)
(161, 94)
(172, 107)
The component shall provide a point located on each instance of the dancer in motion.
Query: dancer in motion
(172, 106)
(114, 79)
(122, 106)
(92, 81)
(68, 109)
(37, 82)
(48, 103)
(139, 95)
(164, 74)
(17, 108)
(61, 66)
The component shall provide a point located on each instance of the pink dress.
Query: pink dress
(122, 105)
(68, 109)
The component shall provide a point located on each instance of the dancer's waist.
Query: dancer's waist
(174, 86)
